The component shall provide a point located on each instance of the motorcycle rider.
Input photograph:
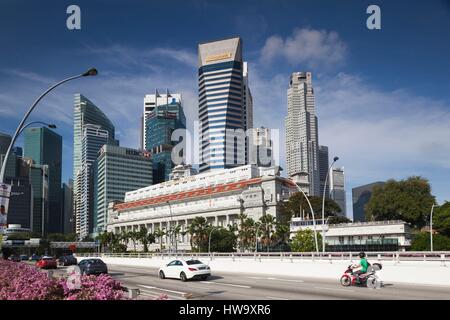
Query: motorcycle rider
(361, 268)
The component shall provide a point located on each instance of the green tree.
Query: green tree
(338, 219)
(223, 240)
(198, 230)
(267, 227)
(409, 200)
(246, 232)
(441, 219)
(159, 234)
(298, 203)
(145, 238)
(304, 241)
(282, 232)
(421, 242)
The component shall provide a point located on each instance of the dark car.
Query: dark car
(35, 257)
(23, 257)
(92, 266)
(14, 258)
(68, 260)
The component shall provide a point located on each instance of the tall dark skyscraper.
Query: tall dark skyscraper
(361, 196)
(160, 122)
(323, 169)
(44, 147)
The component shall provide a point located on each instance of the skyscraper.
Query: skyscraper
(222, 109)
(85, 112)
(92, 140)
(361, 196)
(323, 169)
(150, 102)
(67, 207)
(160, 123)
(337, 189)
(302, 140)
(117, 170)
(44, 147)
(248, 110)
(261, 147)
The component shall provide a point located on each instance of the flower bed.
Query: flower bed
(19, 281)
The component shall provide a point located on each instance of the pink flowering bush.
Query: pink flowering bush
(19, 281)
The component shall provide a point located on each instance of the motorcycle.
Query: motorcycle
(368, 279)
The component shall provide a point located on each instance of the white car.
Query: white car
(185, 270)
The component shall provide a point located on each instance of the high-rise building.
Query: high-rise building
(337, 188)
(44, 147)
(150, 102)
(224, 96)
(117, 170)
(85, 112)
(261, 147)
(302, 140)
(11, 165)
(20, 208)
(67, 207)
(248, 110)
(39, 179)
(91, 142)
(361, 196)
(323, 169)
(161, 121)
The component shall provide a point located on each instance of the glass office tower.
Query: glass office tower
(222, 106)
(160, 123)
(44, 147)
(117, 170)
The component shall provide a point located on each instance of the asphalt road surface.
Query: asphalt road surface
(245, 286)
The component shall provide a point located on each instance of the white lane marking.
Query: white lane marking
(227, 284)
(258, 278)
(150, 287)
(335, 289)
(289, 280)
(276, 298)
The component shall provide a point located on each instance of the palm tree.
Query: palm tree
(198, 231)
(282, 232)
(142, 236)
(175, 231)
(267, 223)
(104, 239)
(159, 234)
(246, 232)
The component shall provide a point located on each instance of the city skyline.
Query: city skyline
(398, 122)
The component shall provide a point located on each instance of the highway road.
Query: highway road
(240, 286)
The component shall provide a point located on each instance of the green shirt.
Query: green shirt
(364, 264)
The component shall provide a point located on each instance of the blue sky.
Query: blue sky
(382, 96)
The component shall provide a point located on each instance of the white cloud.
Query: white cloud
(306, 46)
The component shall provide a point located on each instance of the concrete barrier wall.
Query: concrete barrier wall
(413, 272)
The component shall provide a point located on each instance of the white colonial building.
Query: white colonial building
(219, 196)
(373, 236)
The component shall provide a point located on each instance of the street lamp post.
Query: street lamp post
(431, 227)
(312, 212)
(323, 203)
(209, 239)
(90, 72)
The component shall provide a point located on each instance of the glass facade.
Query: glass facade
(117, 170)
(160, 123)
(86, 113)
(44, 147)
(223, 99)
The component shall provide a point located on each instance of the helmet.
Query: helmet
(362, 254)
